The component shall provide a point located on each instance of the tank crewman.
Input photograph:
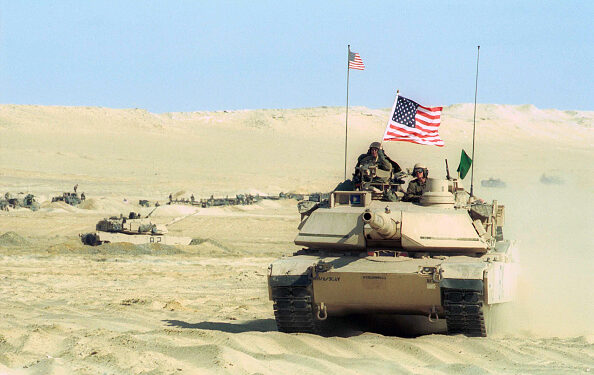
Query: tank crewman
(192, 199)
(416, 186)
(375, 156)
(82, 196)
(75, 188)
(170, 197)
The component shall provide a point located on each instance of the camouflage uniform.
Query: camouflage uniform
(415, 190)
(368, 159)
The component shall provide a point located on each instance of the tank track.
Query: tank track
(294, 310)
(464, 312)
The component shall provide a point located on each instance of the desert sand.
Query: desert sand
(204, 309)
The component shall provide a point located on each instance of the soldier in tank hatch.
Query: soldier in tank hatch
(416, 186)
(375, 156)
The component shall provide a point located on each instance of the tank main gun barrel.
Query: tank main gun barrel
(383, 224)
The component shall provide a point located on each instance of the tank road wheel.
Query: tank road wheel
(294, 310)
(464, 312)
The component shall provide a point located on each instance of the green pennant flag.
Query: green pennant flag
(465, 163)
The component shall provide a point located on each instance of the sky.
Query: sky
(180, 56)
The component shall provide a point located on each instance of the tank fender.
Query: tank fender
(462, 270)
(290, 272)
(467, 284)
(289, 280)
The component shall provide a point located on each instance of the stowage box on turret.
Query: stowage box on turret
(443, 257)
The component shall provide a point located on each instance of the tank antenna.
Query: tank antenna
(478, 50)
(346, 125)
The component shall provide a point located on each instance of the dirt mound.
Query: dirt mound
(215, 243)
(126, 248)
(121, 248)
(108, 204)
(174, 210)
(12, 239)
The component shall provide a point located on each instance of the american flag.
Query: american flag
(412, 122)
(355, 61)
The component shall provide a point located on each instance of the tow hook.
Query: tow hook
(322, 314)
(433, 317)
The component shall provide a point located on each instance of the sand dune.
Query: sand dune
(204, 309)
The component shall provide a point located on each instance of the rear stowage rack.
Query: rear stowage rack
(464, 311)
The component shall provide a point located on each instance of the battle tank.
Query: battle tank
(20, 200)
(493, 183)
(443, 257)
(132, 229)
(72, 199)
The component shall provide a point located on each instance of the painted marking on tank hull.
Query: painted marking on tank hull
(327, 278)
(374, 277)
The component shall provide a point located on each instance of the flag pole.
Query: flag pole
(478, 50)
(346, 125)
(390, 116)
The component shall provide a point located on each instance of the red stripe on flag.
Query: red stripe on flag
(432, 109)
(429, 115)
(415, 131)
(434, 139)
(418, 120)
(412, 141)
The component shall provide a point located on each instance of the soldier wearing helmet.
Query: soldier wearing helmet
(416, 186)
(375, 156)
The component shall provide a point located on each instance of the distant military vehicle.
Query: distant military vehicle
(493, 183)
(318, 197)
(30, 202)
(550, 179)
(296, 196)
(69, 198)
(143, 203)
(132, 229)
(21, 200)
(443, 258)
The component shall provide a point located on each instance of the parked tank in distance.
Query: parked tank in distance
(443, 258)
(72, 199)
(21, 200)
(493, 183)
(132, 229)
(550, 179)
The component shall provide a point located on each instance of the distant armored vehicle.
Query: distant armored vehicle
(132, 229)
(550, 180)
(69, 198)
(493, 183)
(143, 203)
(443, 258)
(296, 196)
(21, 200)
(30, 202)
(318, 197)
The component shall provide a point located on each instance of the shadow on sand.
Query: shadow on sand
(347, 326)
(259, 325)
